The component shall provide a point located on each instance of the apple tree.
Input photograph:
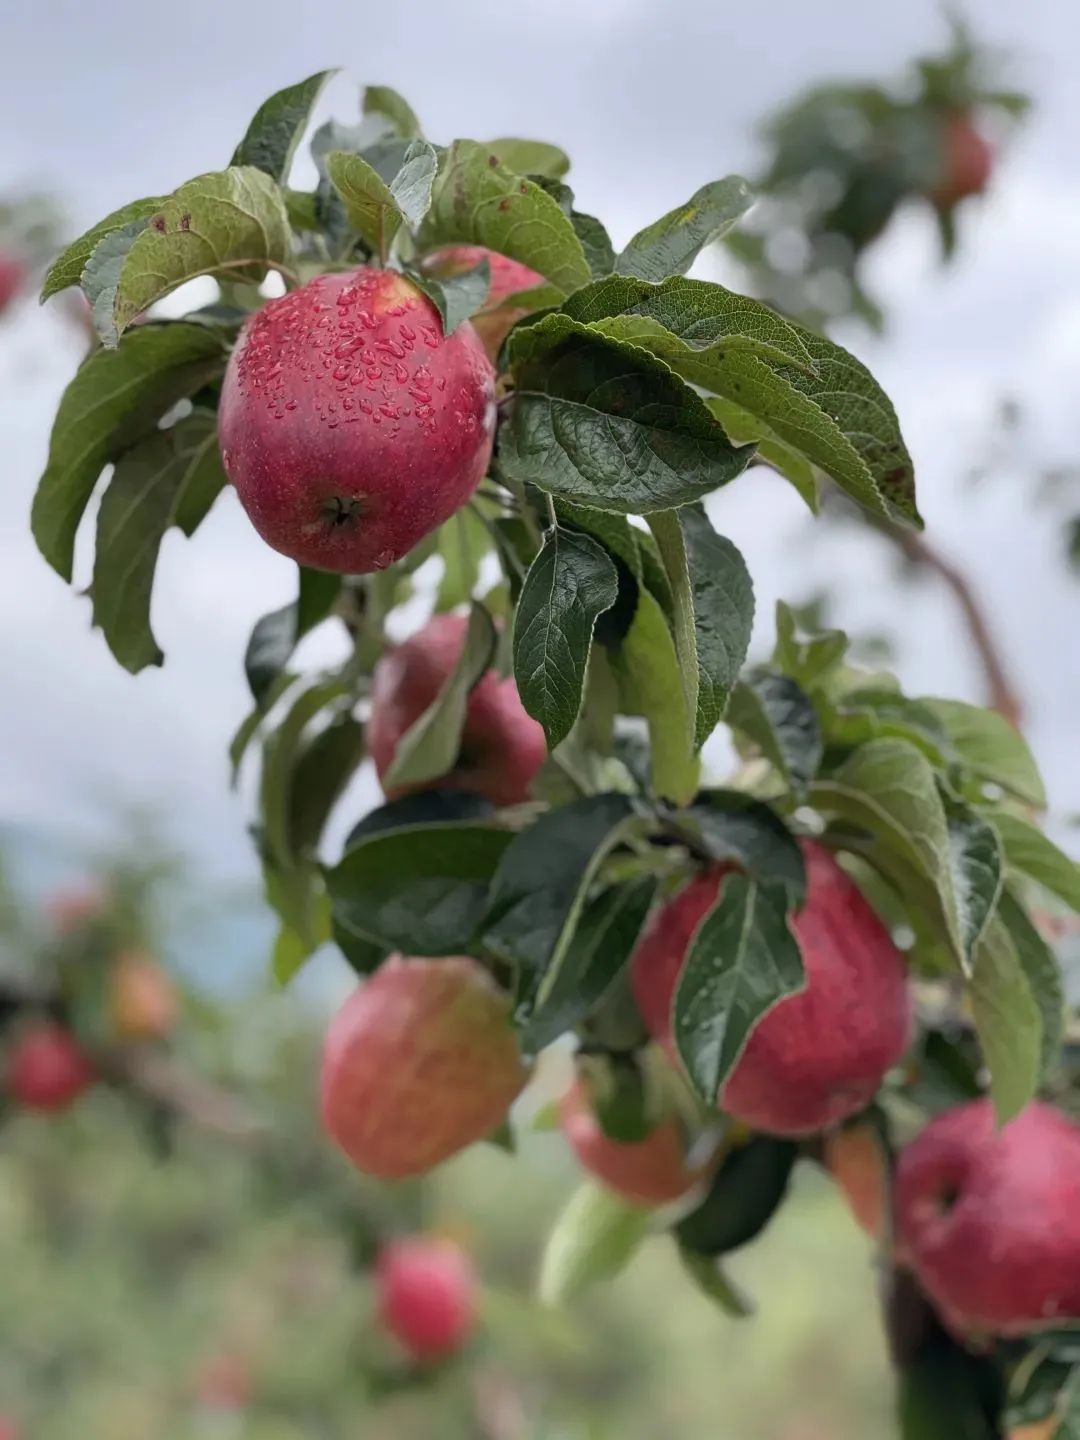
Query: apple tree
(804, 959)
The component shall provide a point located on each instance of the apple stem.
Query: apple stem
(553, 519)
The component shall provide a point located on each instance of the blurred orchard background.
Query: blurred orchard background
(160, 1277)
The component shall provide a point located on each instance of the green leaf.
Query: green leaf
(990, 747)
(742, 961)
(251, 724)
(381, 100)
(229, 222)
(1007, 1022)
(116, 397)
(421, 889)
(598, 953)
(889, 789)
(744, 1195)
(101, 277)
(869, 714)
(1030, 853)
(424, 807)
(731, 826)
(277, 126)
(1043, 975)
(596, 243)
(530, 157)
(743, 429)
(279, 759)
(595, 1237)
(670, 245)
(456, 297)
(377, 210)
(480, 203)
(811, 659)
(541, 885)
(976, 863)
(774, 713)
(68, 268)
(569, 584)
(708, 571)
(322, 769)
(463, 543)
(715, 1285)
(277, 634)
(168, 477)
(429, 748)
(606, 425)
(646, 666)
(808, 393)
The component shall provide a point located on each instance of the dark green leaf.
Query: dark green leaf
(1007, 1021)
(1030, 853)
(990, 747)
(975, 862)
(322, 769)
(595, 1237)
(811, 659)
(364, 955)
(743, 429)
(942, 1396)
(597, 954)
(744, 1195)
(429, 748)
(530, 157)
(1043, 975)
(166, 477)
(68, 269)
(646, 666)
(569, 584)
(116, 397)
(277, 634)
(230, 222)
(670, 245)
(774, 713)
(731, 826)
(480, 203)
(421, 889)
(596, 243)
(709, 578)
(604, 424)
(715, 1285)
(280, 751)
(381, 100)
(252, 723)
(375, 209)
(742, 961)
(542, 883)
(425, 807)
(457, 297)
(277, 126)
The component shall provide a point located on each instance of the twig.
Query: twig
(1003, 696)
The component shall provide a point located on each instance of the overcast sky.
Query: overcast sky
(104, 103)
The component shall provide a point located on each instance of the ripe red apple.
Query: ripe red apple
(502, 747)
(651, 1171)
(144, 999)
(426, 1296)
(967, 161)
(495, 321)
(350, 426)
(12, 280)
(46, 1069)
(989, 1218)
(224, 1383)
(856, 1160)
(419, 1062)
(817, 1056)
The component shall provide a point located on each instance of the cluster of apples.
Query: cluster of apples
(47, 1067)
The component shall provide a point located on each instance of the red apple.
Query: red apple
(495, 321)
(46, 1069)
(419, 1062)
(13, 279)
(989, 1218)
(651, 1171)
(818, 1056)
(502, 747)
(426, 1296)
(349, 425)
(967, 161)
